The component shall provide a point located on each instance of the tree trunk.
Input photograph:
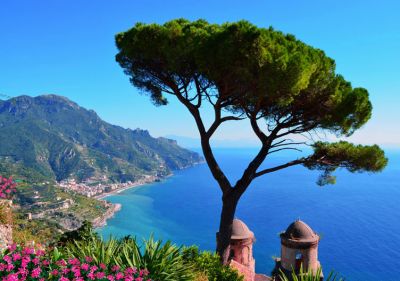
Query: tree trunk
(229, 204)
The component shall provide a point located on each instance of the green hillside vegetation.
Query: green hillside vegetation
(52, 138)
(53, 210)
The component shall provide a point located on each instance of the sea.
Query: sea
(358, 218)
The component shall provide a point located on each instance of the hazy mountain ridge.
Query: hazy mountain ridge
(50, 136)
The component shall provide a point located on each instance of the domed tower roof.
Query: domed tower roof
(240, 230)
(299, 231)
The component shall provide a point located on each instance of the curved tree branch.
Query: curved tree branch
(280, 167)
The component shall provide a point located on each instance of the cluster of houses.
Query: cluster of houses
(91, 188)
(95, 187)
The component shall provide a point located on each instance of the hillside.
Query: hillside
(52, 138)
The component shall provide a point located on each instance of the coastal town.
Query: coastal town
(99, 188)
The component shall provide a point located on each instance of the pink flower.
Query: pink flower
(93, 268)
(16, 256)
(85, 266)
(61, 263)
(26, 263)
(12, 247)
(91, 276)
(74, 261)
(7, 259)
(36, 272)
(28, 251)
(40, 253)
(100, 275)
(115, 268)
(65, 270)
(35, 261)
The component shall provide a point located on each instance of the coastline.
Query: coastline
(102, 221)
(119, 190)
(115, 207)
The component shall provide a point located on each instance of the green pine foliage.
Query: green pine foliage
(248, 72)
(355, 158)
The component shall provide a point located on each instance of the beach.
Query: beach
(123, 188)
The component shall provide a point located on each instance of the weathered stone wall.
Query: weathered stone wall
(5, 224)
(247, 273)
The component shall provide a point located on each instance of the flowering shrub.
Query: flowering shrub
(7, 187)
(26, 263)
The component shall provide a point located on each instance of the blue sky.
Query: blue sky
(67, 48)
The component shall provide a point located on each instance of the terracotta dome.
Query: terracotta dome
(240, 230)
(299, 230)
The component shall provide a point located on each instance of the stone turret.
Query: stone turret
(5, 224)
(241, 252)
(299, 247)
(241, 246)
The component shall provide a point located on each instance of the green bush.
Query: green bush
(210, 264)
(164, 261)
(102, 252)
(83, 233)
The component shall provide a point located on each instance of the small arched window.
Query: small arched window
(299, 261)
(231, 254)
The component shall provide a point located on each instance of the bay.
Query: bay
(358, 218)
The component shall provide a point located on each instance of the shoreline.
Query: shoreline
(137, 184)
(102, 221)
(116, 207)
(119, 190)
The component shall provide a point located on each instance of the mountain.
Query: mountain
(51, 137)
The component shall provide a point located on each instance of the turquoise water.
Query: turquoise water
(358, 218)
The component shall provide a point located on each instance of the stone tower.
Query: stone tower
(241, 247)
(241, 250)
(299, 246)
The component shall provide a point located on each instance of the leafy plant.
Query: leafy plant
(208, 265)
(309, 275)
(164, 261)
